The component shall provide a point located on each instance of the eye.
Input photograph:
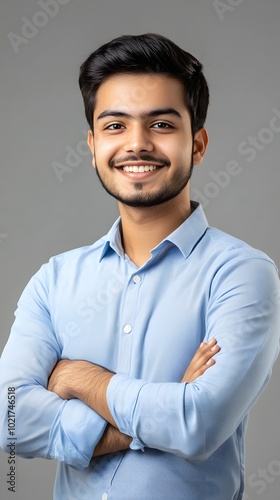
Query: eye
(114, 126)
(162, 125)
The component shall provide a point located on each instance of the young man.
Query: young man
(102, 351)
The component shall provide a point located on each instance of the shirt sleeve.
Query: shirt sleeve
(45, 426)
(193, 420)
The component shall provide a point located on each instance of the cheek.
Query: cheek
(175, 145)
(167, 146)
(105, 150)
(178, 152)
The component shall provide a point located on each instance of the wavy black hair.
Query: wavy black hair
(146, 53)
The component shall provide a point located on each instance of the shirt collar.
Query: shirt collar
(185, 237)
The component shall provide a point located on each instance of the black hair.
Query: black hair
(146, 53)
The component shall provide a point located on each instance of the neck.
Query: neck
(144, 228)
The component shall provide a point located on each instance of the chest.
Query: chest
(144, 323)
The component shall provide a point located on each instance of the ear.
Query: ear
(90, 141)
(200, 144)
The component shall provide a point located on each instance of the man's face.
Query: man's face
(142, 145)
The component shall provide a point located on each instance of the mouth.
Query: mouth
(136, 169)
(140, 171)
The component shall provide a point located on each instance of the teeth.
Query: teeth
(141, 168)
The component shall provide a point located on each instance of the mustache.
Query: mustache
(143, 157)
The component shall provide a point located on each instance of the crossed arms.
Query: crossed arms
(243, 315)
(89, 382)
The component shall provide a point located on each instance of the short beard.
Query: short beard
(165, 194)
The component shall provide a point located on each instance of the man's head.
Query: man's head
(148, 53)
(146, 102)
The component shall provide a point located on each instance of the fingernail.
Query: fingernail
(211, 341)
(209, 361)
(213, 348)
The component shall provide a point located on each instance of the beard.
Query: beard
(140, 198)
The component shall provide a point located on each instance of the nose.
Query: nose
(138, 139)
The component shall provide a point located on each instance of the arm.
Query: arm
(193, 420)
(46, 425)
(111, 441)
(75, 379)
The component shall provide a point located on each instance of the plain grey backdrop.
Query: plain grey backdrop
(51, 200)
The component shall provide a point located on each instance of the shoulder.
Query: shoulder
(225, 247)
(79, 254)
(236, 264)
(71, 262)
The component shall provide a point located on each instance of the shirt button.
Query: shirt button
(136, 279)
(104, 496)
(127, 329)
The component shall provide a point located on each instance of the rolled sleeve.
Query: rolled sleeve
(122, 395)
(74, 434)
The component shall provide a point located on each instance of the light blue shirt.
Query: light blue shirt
(145, 324)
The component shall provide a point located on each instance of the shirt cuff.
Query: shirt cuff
(75, 433)
(122, 395)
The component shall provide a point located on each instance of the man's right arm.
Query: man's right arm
(46, 425)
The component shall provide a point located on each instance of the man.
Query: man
(111, 353)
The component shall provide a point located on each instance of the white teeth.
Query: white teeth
(141, 168)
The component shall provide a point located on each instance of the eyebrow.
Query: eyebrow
(143, 115)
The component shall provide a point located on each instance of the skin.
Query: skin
(135, 137)
(136, 124)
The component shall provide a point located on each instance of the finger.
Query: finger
(205, 346)
(202, 349)
(211, 362)
(202, 369)
(204, 353)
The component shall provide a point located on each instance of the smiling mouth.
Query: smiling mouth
(140, 168)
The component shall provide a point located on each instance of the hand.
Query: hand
(202, 360)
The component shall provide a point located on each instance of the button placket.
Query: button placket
(130, 301)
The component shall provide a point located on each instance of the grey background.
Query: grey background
(42, 117)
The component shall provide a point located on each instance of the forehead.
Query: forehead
(127, 92)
